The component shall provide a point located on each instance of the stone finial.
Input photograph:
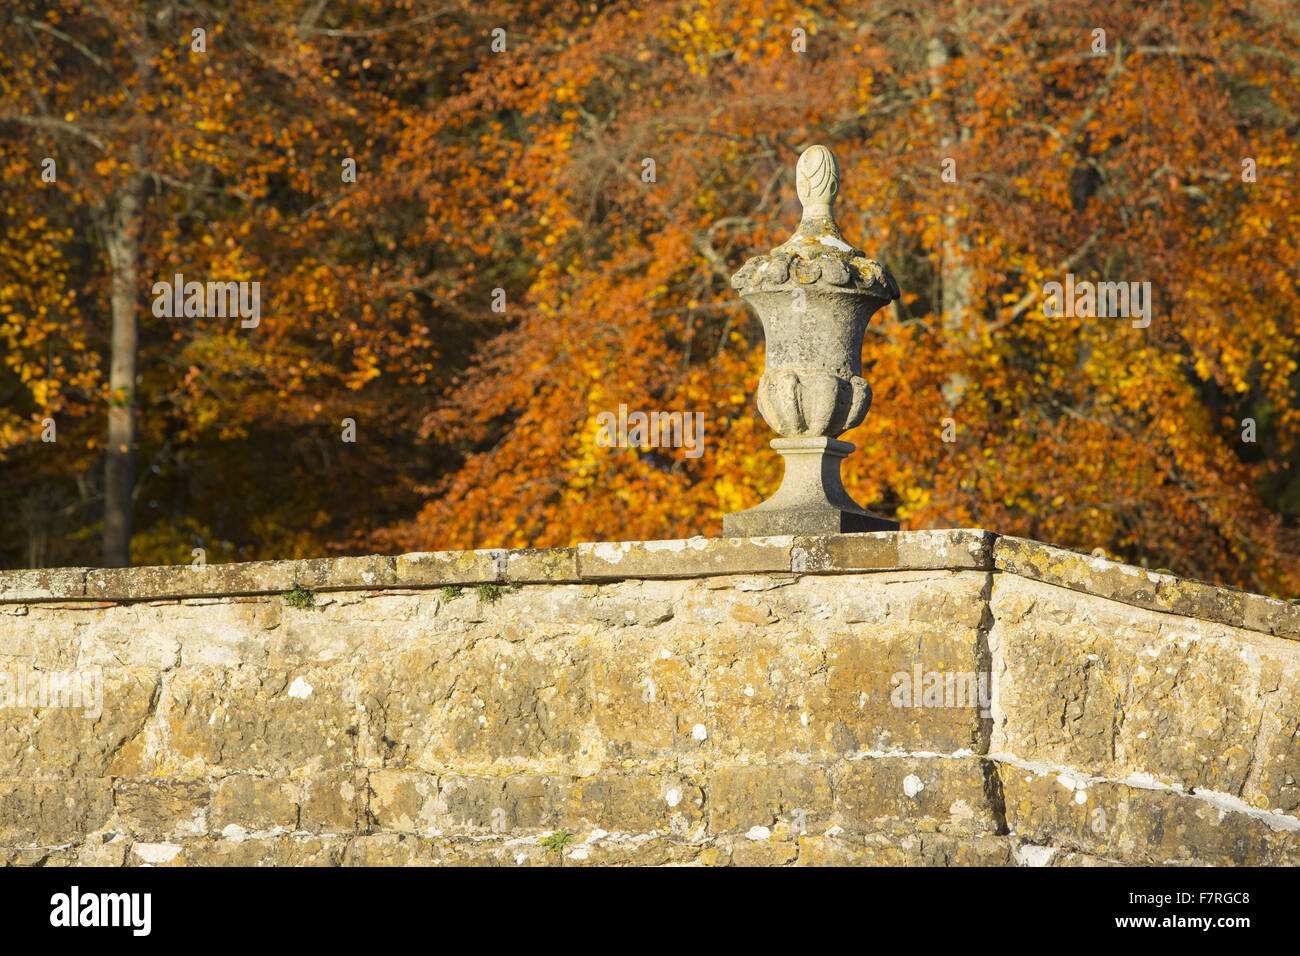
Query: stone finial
(815, 294)
(818, 251)
(817, 180)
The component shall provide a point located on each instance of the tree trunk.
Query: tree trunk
(122, 239)
(956, 277)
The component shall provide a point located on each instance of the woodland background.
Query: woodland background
(521, 170)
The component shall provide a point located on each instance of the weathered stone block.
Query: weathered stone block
(634, 803)
(154, 811)
(52, 812)
(1142, 825)
(253, 803)
(439, 568)
(915, 794)
(899, 550)
(236, 847)
(642, 850)
(1153, 590)
(152, 583)
(83, 740)
(43, 584)
(355, 573)
(742, 798)
(1271, 616)
(406, 801)
(270, 722)
(691, 557)
(388, 849)
(38, 637)
(126, 635)
(647, 700)
(237, 632)
(924, 849)
(542, 566)
(498, 804)
(765, 851)
(1085, 683)
(867, 671)
(527, 706)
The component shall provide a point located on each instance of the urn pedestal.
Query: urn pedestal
(815, 295)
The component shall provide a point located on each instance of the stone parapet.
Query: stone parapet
(923, 697)
(951, 550)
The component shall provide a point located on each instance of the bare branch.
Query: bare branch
(378, 31)
(58, 125)
(77, 45)
(1030, 297)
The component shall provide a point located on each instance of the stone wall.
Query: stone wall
(707, 701)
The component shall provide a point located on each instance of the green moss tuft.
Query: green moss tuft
(300, 597)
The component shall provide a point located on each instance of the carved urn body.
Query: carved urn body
(815, 295)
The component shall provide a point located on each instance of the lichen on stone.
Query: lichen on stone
(816, 254)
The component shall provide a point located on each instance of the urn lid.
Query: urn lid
(817, 253)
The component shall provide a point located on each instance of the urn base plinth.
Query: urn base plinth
(811, 499)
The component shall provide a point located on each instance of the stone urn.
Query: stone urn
(815, 295)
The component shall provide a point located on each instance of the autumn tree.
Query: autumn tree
(229, 146)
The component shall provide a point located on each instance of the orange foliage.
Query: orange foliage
(522, 171)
